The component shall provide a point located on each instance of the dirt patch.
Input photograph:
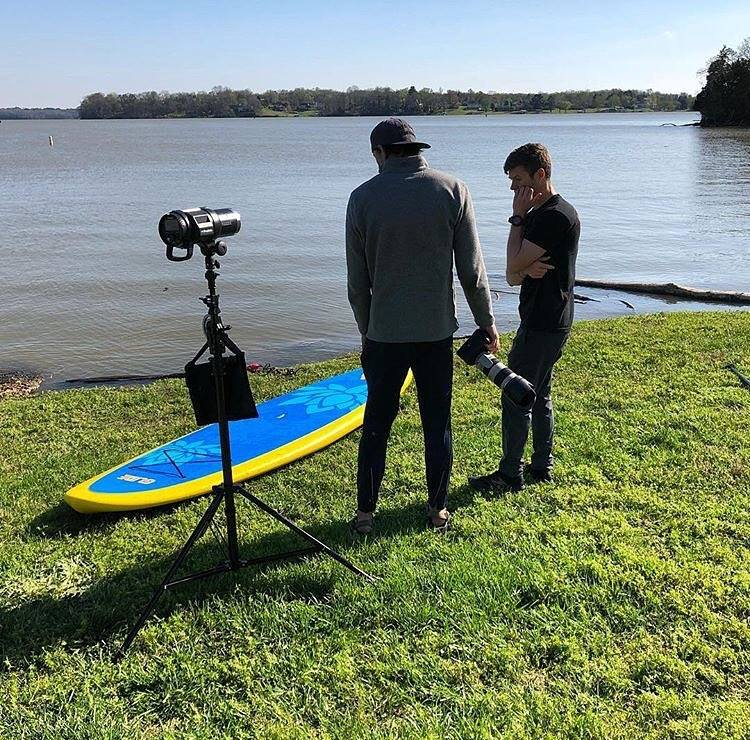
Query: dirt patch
(17, 385)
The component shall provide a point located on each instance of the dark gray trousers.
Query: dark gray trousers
(532, 356)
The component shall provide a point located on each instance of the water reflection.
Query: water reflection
(722, 191)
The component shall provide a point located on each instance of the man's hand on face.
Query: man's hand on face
(494, 338)
(524, 199)
(538, 269)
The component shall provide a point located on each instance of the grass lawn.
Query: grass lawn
(612, 603)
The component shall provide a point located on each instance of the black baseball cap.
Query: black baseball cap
(393, 132)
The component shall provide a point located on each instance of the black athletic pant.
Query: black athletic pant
(385, 365)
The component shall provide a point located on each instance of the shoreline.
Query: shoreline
(18, 383)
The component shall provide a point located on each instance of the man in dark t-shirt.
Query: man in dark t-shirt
(541, 258)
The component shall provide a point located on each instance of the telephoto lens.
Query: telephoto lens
(516, 389)
(201, 226)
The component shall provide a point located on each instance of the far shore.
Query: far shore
(268, 113)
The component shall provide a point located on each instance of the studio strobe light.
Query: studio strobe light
(220, 391)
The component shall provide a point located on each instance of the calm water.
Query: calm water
(88, 291)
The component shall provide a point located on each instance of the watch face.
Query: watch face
(515, 220)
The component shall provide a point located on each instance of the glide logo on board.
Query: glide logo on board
(136, 479)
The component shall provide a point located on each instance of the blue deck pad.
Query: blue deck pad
(281, 420)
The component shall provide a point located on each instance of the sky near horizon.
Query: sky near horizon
(54, 53)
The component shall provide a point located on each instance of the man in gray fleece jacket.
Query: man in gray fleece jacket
(405, 230)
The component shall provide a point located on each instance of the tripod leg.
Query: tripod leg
(198, 532)
(302, 533)
(231, 517)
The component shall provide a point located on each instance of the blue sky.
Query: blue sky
(54, 53)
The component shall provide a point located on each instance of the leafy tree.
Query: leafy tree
(725, 97)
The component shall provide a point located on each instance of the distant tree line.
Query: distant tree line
(222, 102)
(725, 98)
(219, 103)
(37, 113)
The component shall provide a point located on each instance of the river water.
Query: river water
(87, 289)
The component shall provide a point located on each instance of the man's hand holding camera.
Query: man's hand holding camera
(494, 344)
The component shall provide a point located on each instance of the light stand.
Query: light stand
(217, 343)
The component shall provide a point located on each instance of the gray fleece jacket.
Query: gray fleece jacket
(405, 229)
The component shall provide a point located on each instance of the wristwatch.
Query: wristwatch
(516, 220)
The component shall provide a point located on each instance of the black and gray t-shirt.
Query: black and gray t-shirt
(547, 303)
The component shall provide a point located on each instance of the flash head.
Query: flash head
(201, 226)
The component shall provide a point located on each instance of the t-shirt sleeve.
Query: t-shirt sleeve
(548, 231)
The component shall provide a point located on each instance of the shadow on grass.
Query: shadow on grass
(112, 605)
(103, 612)
(62, 520)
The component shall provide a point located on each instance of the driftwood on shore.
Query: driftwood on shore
(253, 367)
(670, 289)
(744, 380)
(103, 379)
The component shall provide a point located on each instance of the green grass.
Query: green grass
(613, 603)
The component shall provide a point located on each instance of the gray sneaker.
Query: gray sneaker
(537, 475)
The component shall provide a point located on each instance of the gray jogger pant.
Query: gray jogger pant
(533, 355)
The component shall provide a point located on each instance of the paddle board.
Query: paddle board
(289, 427)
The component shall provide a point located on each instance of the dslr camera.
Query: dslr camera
(516, 389)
